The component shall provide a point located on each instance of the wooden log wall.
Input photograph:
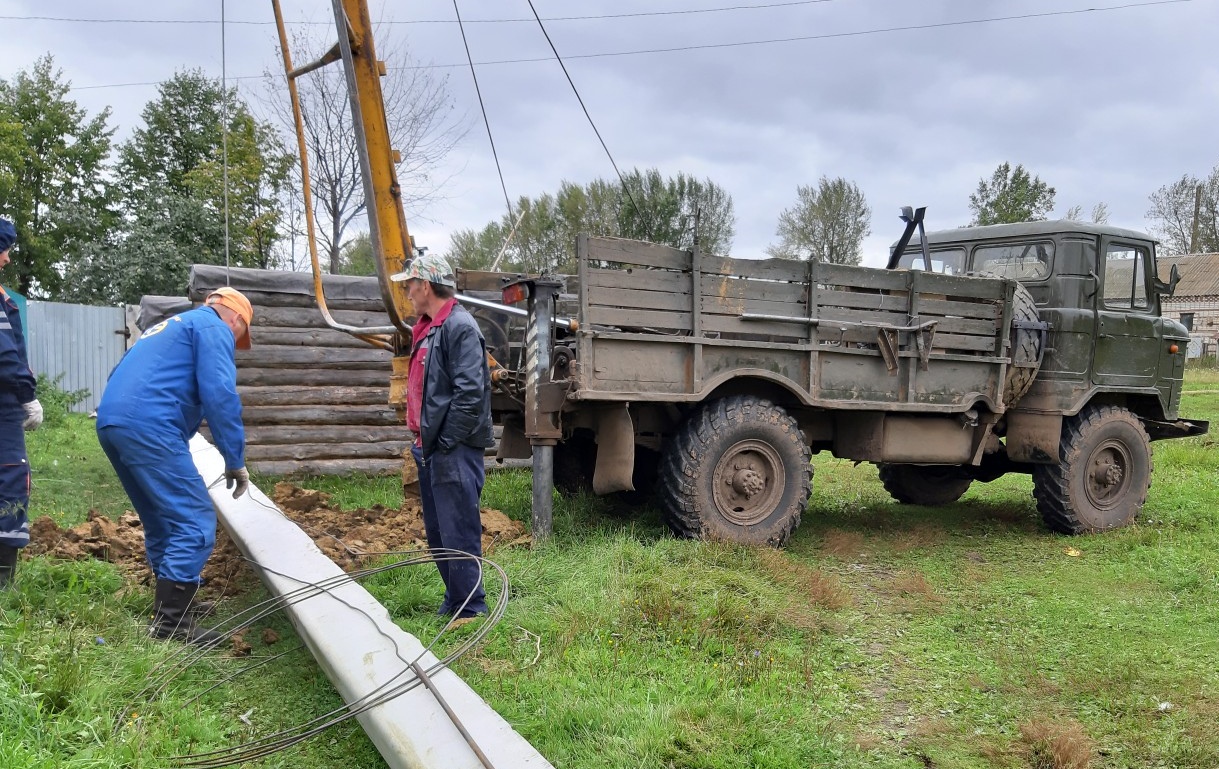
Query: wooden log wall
(314, 400)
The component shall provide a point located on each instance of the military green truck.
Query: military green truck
(1033, 348)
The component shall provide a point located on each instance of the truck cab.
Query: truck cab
(1097, 288)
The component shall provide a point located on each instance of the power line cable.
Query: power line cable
(580, 99)
(744, 43)
(597, 17)
(224, 144)
(483, 108)
(825, 36)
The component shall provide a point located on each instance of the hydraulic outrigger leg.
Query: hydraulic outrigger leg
(543, 398)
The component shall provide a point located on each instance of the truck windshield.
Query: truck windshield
(1021, 261)
(948, 261)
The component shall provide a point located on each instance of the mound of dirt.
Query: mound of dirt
(348, 537)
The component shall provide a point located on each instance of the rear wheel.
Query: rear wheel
(928, 485)
(737, 470)
(1101, 479)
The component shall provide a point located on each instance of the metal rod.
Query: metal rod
(504, 248)
(543, 486)
(835, 323)
(330, 57)
(507, 309)
(427, 681)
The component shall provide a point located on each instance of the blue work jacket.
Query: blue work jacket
(16, 380)
(181, 371)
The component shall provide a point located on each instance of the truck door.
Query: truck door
(1127, 342)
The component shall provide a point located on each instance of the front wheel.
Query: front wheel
(927, 485)
(737, 470)
(1101, 479)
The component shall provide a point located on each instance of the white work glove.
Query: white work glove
(33, 415)
(239, 477)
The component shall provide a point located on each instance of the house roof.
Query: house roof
(1199, 274)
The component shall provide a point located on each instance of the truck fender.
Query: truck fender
(1033, 437)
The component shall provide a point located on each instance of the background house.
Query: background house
(1196, 301)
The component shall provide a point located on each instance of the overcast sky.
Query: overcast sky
(913, 100)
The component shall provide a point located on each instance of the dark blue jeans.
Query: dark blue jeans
(450, 486)
(14, 482)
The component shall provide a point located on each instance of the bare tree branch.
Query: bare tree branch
(424, 127)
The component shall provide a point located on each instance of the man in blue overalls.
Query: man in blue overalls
(19, 411)
(181, 371)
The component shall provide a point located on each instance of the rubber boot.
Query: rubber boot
(201, 609)
(8, 565)
(172, 617)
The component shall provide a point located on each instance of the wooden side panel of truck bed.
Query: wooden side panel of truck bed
(661, 324)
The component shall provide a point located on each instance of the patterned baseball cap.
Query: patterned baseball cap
(433, 269)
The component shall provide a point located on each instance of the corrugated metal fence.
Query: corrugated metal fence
(80, 342)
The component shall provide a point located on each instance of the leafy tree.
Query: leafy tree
(671, 211)
(357, 257)
(1172, 213)
(419, 111)
(172, 177)
(125, 266)
(1100, 214)
(258, 174)
(827, 224)
(667, 210)
(1011, 195)
(472, 250)
(52, 165)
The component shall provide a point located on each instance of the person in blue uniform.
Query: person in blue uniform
(448, 409)
(180, 372)
(19, 411)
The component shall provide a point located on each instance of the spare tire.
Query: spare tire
(1026, 348)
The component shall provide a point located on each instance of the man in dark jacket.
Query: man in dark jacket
(19, 411)
(449, 411)
(181, 371)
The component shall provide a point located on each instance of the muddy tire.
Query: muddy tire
(738, 470)
(927, 485)
(1026, 348)
(1102, 476)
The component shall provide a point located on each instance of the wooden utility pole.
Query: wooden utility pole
(1193, 236)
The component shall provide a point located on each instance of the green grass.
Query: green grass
(70, 474)
(883, 636)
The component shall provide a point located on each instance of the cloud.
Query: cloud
(1104, 106)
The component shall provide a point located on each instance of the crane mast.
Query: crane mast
(388, 234)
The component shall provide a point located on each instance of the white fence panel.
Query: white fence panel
(81, 342)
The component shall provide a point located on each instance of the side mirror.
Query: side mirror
(1169, 288)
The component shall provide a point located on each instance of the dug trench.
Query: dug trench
(350, 538)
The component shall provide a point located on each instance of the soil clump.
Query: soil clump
(350, 538)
